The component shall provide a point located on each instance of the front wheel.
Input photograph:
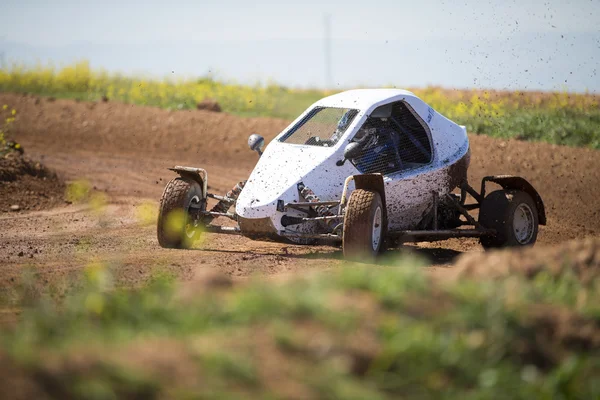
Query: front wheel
(513, 215)
(364, 228)
(179, 217)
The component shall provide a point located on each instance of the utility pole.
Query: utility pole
(328, 74)
(2, 64)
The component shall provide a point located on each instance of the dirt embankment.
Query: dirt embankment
(66, 126)
(579, 257)
(27, 185)
(123, 151)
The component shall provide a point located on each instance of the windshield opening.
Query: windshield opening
(322, 126)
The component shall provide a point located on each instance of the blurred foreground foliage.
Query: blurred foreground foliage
(7, 144)
(554, 117)
(376, 333)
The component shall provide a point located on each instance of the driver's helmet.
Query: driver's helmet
(345, 120)
(365, 131)
(343, 124)
(369, 138)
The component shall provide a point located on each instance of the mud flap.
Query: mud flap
(196, 174)
(508, 182)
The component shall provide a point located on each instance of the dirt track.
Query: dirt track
(123, 151)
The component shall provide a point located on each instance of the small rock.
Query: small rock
(209, 105)
(21, 254)
(15, 207)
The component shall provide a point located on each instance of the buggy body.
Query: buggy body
(407, 189)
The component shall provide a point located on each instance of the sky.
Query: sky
(527, 44)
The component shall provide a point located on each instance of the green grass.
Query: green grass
(565, 127)
(377, 333)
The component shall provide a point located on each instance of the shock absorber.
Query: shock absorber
(311, 197)
(224, 205)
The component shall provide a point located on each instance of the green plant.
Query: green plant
(7, 145)
(387, 332)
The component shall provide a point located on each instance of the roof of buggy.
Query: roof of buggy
(362, 99)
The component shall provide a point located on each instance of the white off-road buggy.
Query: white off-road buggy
(364, 168)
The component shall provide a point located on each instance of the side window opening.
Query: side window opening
(393, 141)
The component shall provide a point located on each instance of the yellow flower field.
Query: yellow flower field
(557, 117)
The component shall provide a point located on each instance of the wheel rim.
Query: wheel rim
(523, 224)
(377, 229)
(191, 223)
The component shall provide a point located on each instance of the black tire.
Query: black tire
(177, 227)
(502, 210)
(360, 222)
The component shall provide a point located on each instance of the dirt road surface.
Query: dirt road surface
(123, 152)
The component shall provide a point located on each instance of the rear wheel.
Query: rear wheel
(179, 218)
(513, 215)
(364, 228)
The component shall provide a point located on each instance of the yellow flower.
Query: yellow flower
(14, 112)
(4, 107)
